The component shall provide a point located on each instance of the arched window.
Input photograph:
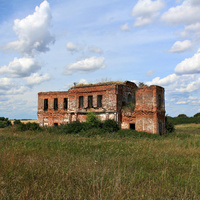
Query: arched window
(129, 98)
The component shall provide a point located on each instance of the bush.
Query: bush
(110, 125)
(73, 127)
(29, 126)
(21, 127)
(92, 120)
(17, 121)
(33, 126)
(4, 122)
(169, 126)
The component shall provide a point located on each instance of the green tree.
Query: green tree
(93, 120)
(197, 115)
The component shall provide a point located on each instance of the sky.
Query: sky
(50, 45)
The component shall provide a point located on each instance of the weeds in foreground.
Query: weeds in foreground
(118, 165)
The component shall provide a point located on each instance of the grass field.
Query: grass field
(43, 165)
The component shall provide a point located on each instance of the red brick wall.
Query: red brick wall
(149, 113)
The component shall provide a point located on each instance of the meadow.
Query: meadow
(122, 165)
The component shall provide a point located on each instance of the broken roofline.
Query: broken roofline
(81, 85)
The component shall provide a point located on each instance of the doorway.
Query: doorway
(132, 126)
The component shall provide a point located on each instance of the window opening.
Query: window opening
(129, 98)
(123, 101)
(55, 124)
(159, 102)
(45, 104)
(90, 101)
(99, 101)
(81, 102)
(160, 128)
(65, 103)
(132, 126)
(56, 104)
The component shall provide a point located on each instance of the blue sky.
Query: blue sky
(49, 45)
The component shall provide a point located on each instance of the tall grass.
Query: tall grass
(122, 165)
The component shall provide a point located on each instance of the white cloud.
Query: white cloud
(179, 89)
(164, 81)
(146, 11)
(125, 27)
(20, 67)
(191, 87)
(189, 65)
(18, 90)
(181, 102)
(71, 46)
(6, 83)
(181, 46)
(33, 31)
(178, 83)
(86, 65)
(192, 30)
(83, 81)
(186, 13)
(94, 49)
(36, 79)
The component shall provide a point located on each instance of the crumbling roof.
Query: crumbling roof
(80, 85)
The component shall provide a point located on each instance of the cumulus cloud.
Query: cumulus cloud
(191, 87)
(33, 31)
(189, 65)
(146, 11)
(186, 13)
(192, 30)
(181, 46)
(20, 67)
(94, 49)
(85, 66)
(174, 83)
(6, 83)
(71, 46)
(17, 90)
(36, 79)
(125, 27)
(164, 81)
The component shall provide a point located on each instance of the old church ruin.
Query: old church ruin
(142, 109)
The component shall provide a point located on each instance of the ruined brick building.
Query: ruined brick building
(142, 109)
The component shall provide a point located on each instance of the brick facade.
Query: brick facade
(142, 109)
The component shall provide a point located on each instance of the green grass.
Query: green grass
(123, 165)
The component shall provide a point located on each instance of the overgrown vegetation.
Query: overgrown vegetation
(129, 107)
(121, 165)
(169, 126)
(92, 125)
